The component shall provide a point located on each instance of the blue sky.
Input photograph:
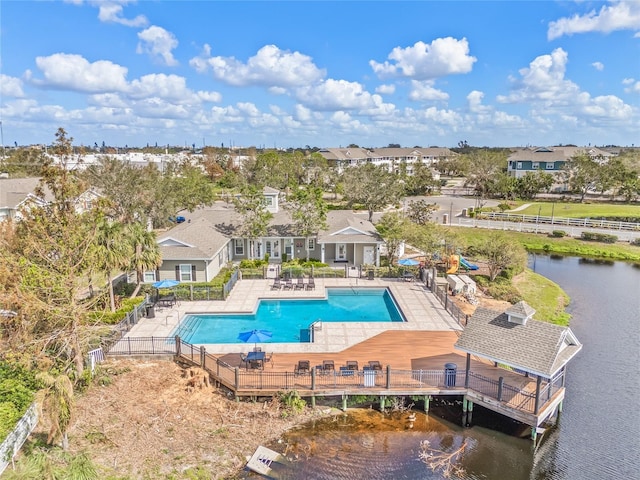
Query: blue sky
(326, 74)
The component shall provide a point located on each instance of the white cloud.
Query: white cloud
(73, 72)
(110, 11)
(474, 102)
(598, 66)
(543, 81)
(544, 87)
(421, 91)
(158, 43)
(443, 56)
(170, 87)
(623, 15)
(632, 85)
(386, 89)
(10, 86)
(332, 95)
(270, 67)
(214, 97)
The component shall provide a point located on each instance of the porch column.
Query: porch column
(537, 404)
(466, 373)
(378, 255)
(322, 252)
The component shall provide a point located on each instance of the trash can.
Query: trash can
(450, 371)
(151, 311)
(370, 273)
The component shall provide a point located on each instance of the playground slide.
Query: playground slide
(454, 263)
(466, 265)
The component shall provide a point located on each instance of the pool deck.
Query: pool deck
(420, 307)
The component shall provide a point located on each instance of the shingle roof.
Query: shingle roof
(13, 191)
(346, 226)
(537, 347)
(554, 154)
(207, 230)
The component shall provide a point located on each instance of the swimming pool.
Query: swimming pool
(289, 319)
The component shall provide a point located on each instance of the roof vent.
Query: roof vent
(520, 313)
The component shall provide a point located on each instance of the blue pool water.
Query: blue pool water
(289, 320)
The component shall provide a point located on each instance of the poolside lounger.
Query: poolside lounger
(328, 366)
(277, 285)
(303, 366)
(299, 283)
(352, 365)
(375, 365)
(346, 372)
(288, 284)
(311, 284)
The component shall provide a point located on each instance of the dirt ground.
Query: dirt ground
(482, 299)
(150, 424)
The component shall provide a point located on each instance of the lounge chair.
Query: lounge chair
(277, 285)
(303, 366)
(299, 283)
(311, 284)
(288, 284)
(328, 366)
(375, 365)
(352, 365)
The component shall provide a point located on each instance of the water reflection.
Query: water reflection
(366, 444)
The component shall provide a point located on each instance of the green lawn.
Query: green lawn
(582, 210)
(566, 246)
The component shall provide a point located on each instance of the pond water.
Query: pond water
(598, 436)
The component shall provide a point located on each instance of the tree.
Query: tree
(47, 253)
(255, 216)
(580, 173)
(484, 165)
(308, 212)
(532, 183)
(56, 400)
(420, 211)
(145, 252)
(371, 186)
(501, 253)
(392, 227)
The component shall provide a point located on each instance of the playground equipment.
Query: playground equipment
(466, 265)
(454, 263)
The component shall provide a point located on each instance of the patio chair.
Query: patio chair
(352, 365)
(268, 357)
(303, 366)
(277, 285)
(288, 284)
(311, 284)
(299, 283)
(328, 366)
(375, 365)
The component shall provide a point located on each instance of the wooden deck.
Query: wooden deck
(401, 351)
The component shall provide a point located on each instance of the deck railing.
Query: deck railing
(241, 380)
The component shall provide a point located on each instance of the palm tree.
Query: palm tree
(56, 402)
(145, 252)
(111, 252)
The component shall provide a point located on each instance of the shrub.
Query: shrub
(558, 233)
(599, 237)
(9, 416)
(636, 242)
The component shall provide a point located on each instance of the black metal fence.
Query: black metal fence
(243, 380)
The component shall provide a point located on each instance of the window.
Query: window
(536, 165)
(185, 273)
(519, 167)
(239, 246)
(268, 201)
(311, 245)
(149, 277)
(550, 165)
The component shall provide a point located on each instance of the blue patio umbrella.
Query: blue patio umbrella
(408, 262)
(255, 336)
(165, 284)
